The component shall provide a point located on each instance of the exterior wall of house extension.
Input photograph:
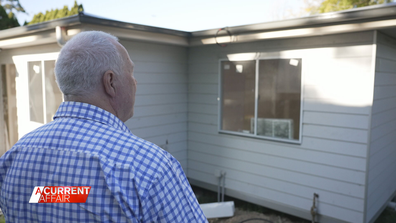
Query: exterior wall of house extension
(331, 158)
(382, 167)
(161, 100)
(160, 114)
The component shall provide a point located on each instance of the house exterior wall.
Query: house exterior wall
(160, 113)
(161, 99)
(382, 166)
(330, 161)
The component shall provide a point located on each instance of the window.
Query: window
(261, 98)
(44, 94)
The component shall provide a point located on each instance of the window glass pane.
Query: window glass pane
(35, 92)
(52, 93)
(238, 90)
(279, 98)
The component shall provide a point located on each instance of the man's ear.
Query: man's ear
(108, 81)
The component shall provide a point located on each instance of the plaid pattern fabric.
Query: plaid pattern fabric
(132, 180)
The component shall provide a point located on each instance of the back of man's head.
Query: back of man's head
(83, 61)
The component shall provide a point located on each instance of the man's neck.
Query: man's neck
(100, 102)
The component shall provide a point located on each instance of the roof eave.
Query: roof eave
(370, 13)
(24, 30)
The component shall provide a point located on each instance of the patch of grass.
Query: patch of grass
(2, 220)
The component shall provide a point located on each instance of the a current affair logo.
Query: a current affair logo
(60, 194)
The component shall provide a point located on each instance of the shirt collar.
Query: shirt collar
(72, 109)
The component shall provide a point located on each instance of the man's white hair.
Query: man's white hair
(84, 59)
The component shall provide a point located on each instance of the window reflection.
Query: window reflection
(238, 90)
(35, 92)
(279, 98)
(278, 102)
(53, 96)
(43, 111)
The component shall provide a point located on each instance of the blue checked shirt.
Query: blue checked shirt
(132, 180)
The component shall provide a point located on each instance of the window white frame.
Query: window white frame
(22, 89)
(257, 58)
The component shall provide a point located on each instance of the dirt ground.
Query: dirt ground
(245, 211)
(251, 213)
(252, 217)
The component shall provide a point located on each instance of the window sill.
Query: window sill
(261, 137)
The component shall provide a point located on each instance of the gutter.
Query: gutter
(365, 14)
(39, 27)
(354, 20)
(295, 33)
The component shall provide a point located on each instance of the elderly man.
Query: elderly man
(88, 145)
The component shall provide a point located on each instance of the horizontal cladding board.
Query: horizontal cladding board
(344, 188)
(287, 199)
(346, 39)
(346, 69)
(381, 92)
(382, 156)
(382, 192)
(7, 54)
(204, 128)
(337, 147)
(180, 155)
(279, 149)
(150, 121)
(338, 71)
(385, 50)
(159, 130)
(380, 143)
(376, 203)
(382, 105)
(145, 51)
(162, 77)
(205, 78)
(328, 105)
(169, 136)
(210, 109)
(385, 39)
(344, 95)
(315, 169)
(210, 55)
(197, 68)
(387, 166)
(383, 117)
(161, 88)
(342, 134)
(327, 55)
(298, 190)
(161, 109)
(257, 191)
(385, 65)
(337, 120)
(175, 146)
(203, 98)
(198, 88)
(202, 118)
(382, 130)
(159, 67)
(385, 78)
(160, 99)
